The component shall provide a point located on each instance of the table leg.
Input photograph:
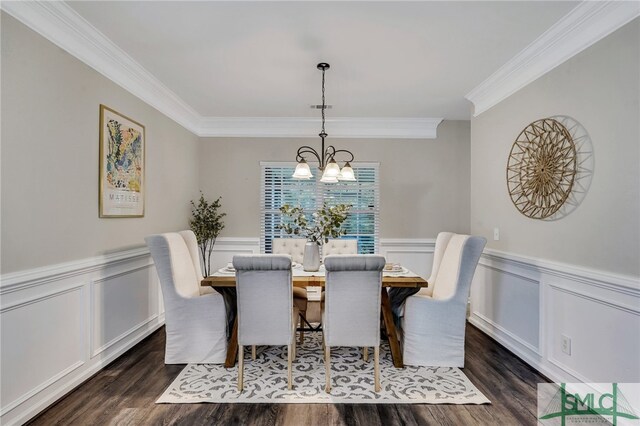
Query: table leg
(394, 345)
(232, 346)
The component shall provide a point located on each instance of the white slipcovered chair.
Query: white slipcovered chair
(266, 315)
(340, 246)
(434, 319)
(195, 317)
(294, 247)
(351, 314)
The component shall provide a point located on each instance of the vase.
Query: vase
(311, 258)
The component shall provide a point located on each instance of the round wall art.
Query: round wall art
(542, 168)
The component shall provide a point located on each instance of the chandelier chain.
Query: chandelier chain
(323, 104)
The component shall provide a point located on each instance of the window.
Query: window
(278, 188)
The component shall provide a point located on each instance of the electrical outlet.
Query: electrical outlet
(566, 344)
(496, 234)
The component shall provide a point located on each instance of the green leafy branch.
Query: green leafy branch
(325, 223)
(206, 222)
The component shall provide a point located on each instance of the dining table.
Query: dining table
(403, 278)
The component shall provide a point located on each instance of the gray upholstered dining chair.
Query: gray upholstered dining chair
(266, 315)
(338, 246)
(351, 314)
(294, 247)
(434, 319)
(195, 316)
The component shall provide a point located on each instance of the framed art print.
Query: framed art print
(122, 152)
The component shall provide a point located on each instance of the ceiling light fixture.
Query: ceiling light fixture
(331, 172)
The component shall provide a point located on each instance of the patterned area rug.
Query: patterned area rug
(265, 380)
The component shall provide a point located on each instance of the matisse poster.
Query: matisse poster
(122, 152)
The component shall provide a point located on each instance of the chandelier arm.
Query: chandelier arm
(305, 149)
(336, 151)
(329, 153)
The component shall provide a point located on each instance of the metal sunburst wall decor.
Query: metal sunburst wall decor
(542, 168)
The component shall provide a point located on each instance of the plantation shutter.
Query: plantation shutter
(279, 188)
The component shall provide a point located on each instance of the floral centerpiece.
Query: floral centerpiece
(325, 223)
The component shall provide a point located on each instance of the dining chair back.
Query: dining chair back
(294, 247)
(195, 320)
(351, 314)
(434, 324)
(340, 246)
(266, 315)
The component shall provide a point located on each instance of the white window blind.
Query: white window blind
(279, 188)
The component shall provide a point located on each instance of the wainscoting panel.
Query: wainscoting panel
(415, 254)
(529, 304)
(42, 340)
(227, 247)
(605, 340)
(62, 323)
(121, 304)
(491, 293)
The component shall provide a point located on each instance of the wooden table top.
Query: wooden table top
(318, 280)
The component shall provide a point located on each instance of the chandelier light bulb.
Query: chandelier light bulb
(302, 171)
(347, 173)
(328, 179)
(332, 169)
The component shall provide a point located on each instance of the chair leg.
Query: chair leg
(290, 353)
(327, 366)
(376, 367)
(253, 352)
(240, 367)
(365, 354)
(294, 349)
(301, 318)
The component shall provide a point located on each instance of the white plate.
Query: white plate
(398, 271)
(227, 271)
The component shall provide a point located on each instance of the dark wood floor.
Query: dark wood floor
(124, 394)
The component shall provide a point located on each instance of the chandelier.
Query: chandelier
(331, 172)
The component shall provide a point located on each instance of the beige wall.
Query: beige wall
(50, 112)
(600, 89)
(424, 184)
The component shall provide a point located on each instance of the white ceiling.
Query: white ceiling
(258, 59)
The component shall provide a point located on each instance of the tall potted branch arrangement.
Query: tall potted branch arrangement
(206, 222)
(325, 223)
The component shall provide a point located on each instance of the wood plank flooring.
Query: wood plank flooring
(124, 394)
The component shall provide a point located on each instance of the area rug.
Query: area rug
(265, 380)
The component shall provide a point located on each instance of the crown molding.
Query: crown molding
(292, 127)
(63, 26)
(583, 26)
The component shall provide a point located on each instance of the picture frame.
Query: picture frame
(122, 165)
